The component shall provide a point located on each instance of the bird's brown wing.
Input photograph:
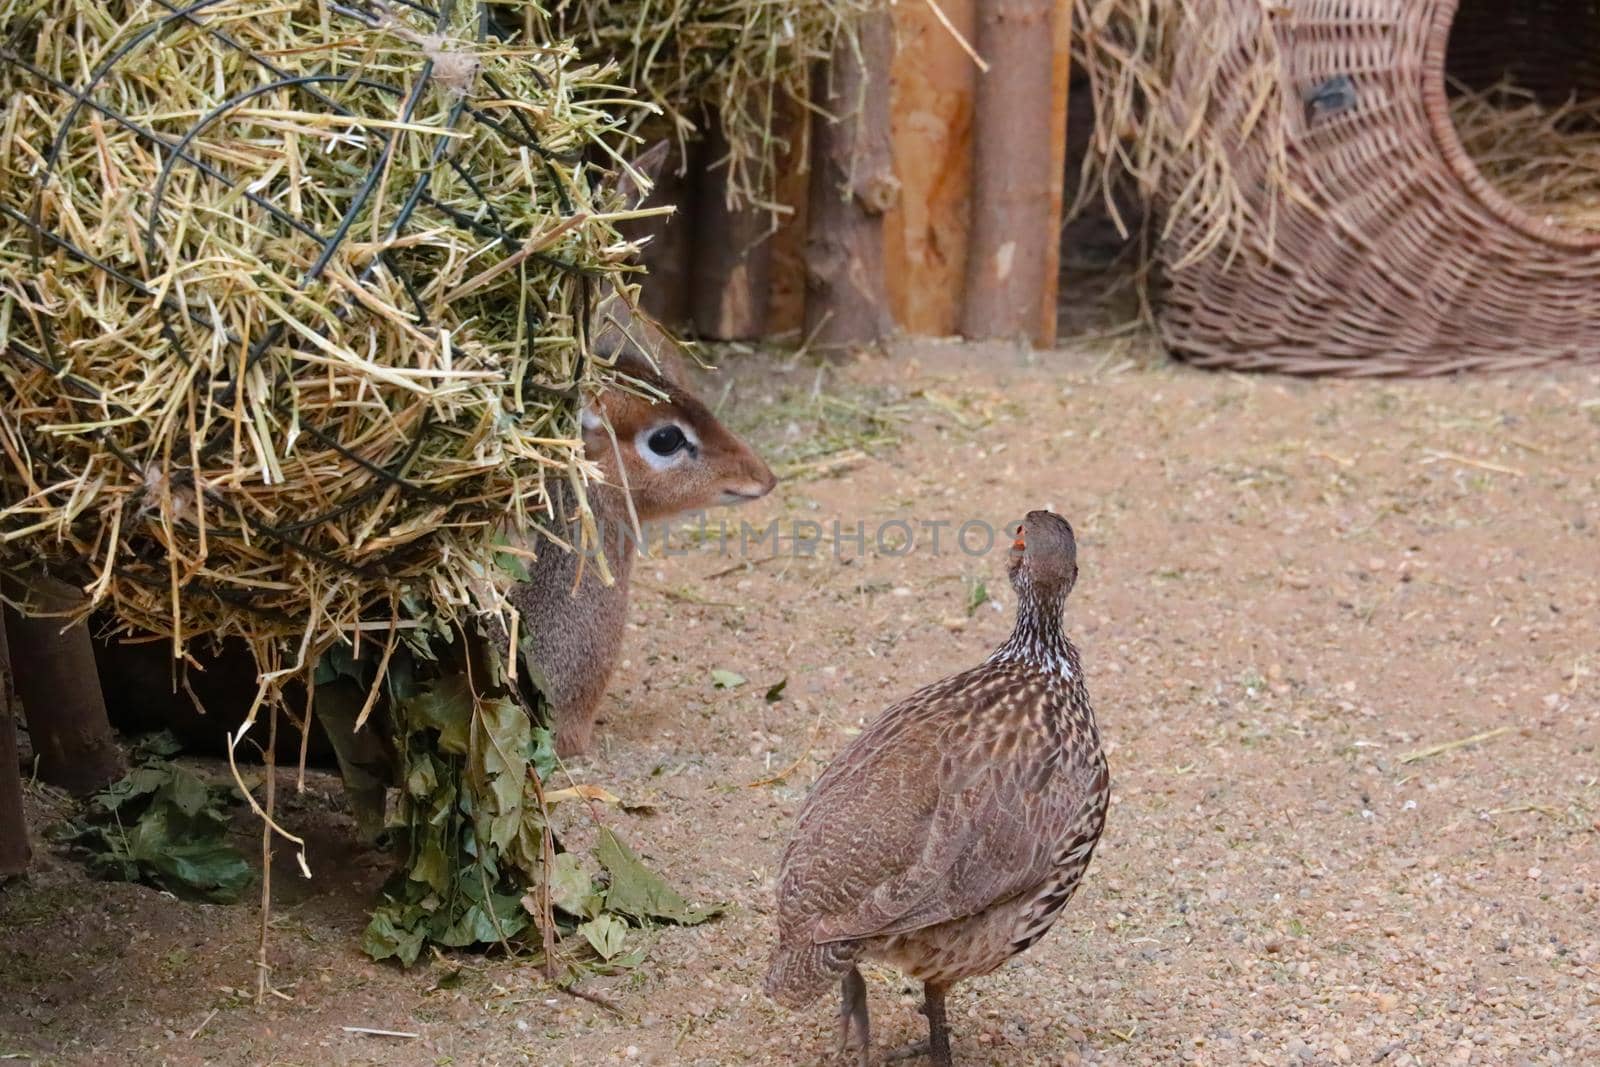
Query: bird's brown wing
(865, 818)
(1001, 809)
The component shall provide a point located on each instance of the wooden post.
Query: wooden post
(934, 83)
(731, 254)
(1060, 97)
(786, 300)
(14, 850)
(1016, 176)
(665, 292)
(60, 691)
(852, 185)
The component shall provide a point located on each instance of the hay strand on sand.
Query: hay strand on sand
(293, 305)
(1450, 746)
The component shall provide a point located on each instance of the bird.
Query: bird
(951, 832)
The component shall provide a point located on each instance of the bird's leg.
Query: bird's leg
(855, 1032)
(938, 1033)
(937, 1046)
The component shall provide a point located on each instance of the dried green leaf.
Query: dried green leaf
(606, 933)
(640, 893)
(514, 566)
(395, 931)
(430, 865)
(505, 743)
(208, 867)
(163, 744)
(162, 825)
(446, 706)
(571, 888)
(423, 778)
(478, 925)
(544, 752)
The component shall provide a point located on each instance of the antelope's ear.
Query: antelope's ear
(612, 322)
(635, 180)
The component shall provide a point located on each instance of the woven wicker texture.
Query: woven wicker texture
(1384, 252)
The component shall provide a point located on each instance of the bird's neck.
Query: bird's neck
(1037, 638)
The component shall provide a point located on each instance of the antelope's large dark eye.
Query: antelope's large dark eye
(667, 440)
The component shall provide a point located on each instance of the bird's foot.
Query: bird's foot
(853, 1040)
(915, 1050)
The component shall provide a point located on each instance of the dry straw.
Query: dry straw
(1196, 143)
(293, 301)
(1544, 158)
(737, 67)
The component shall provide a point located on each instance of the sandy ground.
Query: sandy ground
(1297, 600)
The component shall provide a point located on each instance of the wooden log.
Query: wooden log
(925, 251)
(1016, 172)
(786, 301)
(665, 292)
(14, 850)
(731, 254)
(60, 691)
(852, 186)
(1060, 99)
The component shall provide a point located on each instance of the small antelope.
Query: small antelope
(665, 456)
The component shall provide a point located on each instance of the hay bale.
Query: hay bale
(293, 304)
(735, 63)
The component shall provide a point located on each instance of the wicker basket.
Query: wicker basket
(1385, 252)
